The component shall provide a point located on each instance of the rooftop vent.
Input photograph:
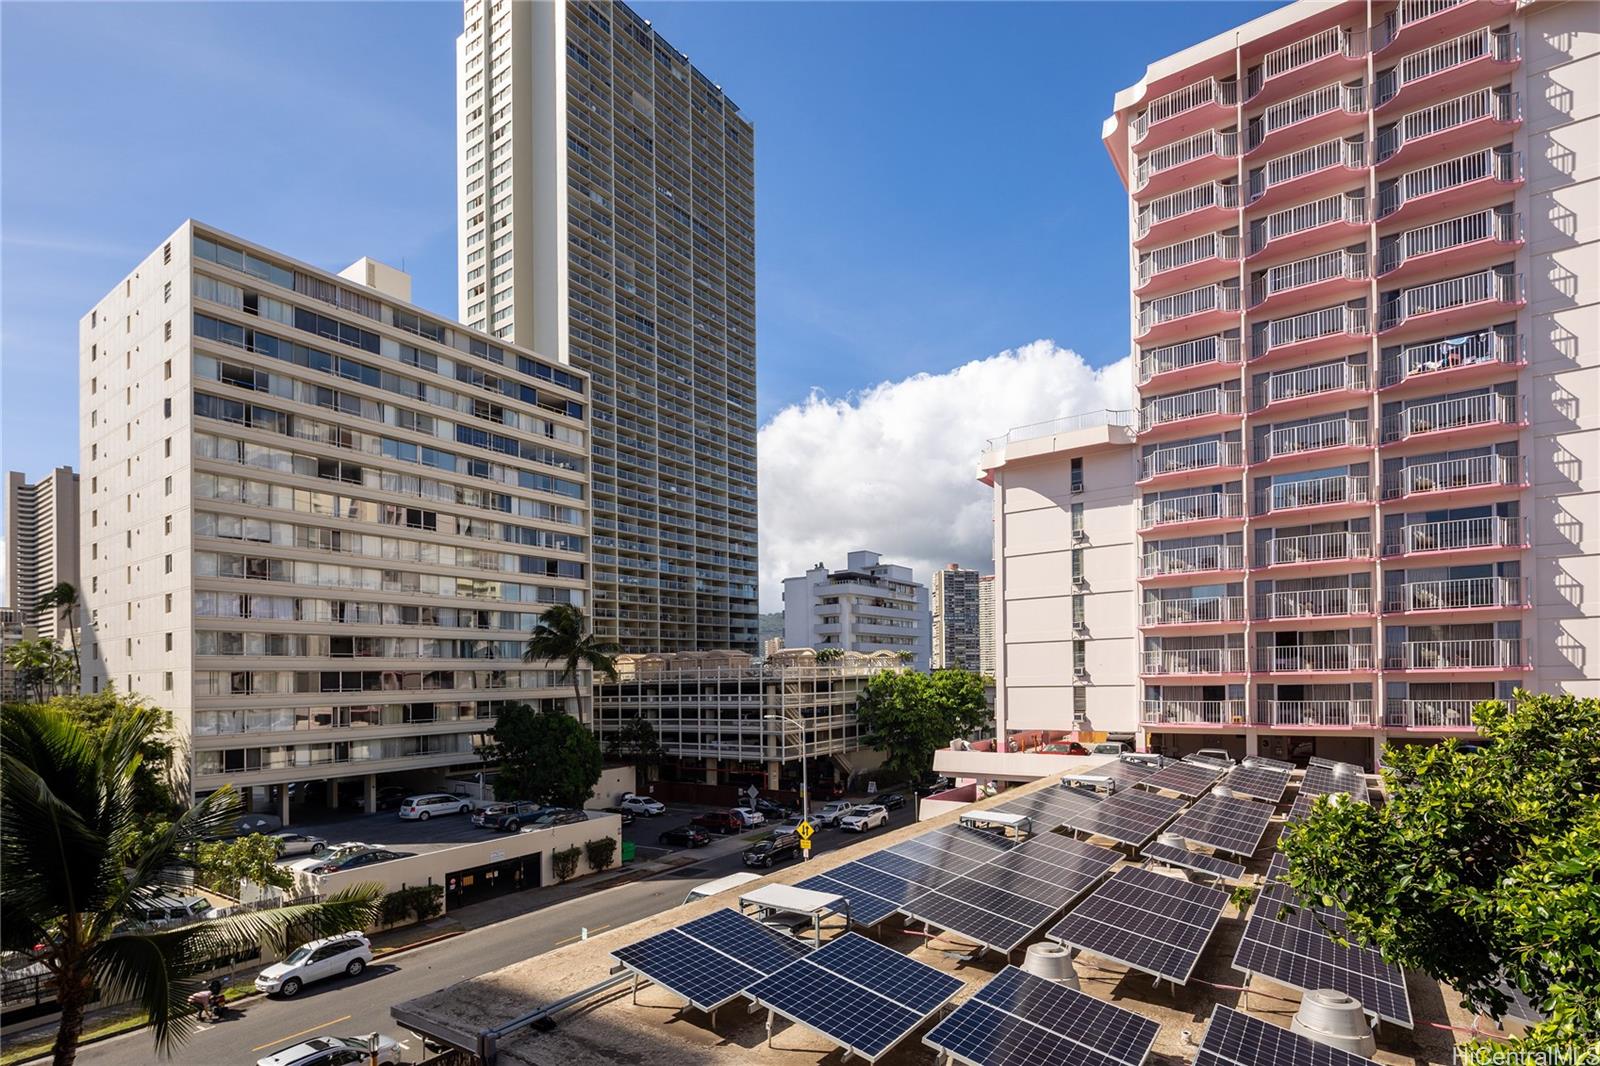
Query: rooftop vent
(1052, 962)
(1335, 1019)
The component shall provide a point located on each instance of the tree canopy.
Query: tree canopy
(911, 715)
(1480, 868)
(563, 636)
(637, 743)
(546, 756)
(155, 785)
(222, 864)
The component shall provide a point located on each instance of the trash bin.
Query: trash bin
(627, 851)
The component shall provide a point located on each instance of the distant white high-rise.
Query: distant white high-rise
(866, 607)
(986, 624)
(956, 638)
(41, 544)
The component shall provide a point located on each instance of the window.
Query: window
(169, 485)
(166, 253)
(169, 603)
(166, 334)
(168, 525)
(169, 641)
(168, 563)
(166, 681)
(167, 448)
(166, 294)
(1080, 657)
(166, 408)
(1080, 702)
(1077, 564)
(1078, 611)
(1077, 518)
(1077, 474)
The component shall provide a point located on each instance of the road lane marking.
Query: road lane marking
(303, 1032)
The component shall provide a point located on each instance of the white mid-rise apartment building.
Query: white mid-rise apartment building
(986, 625)
(319, 523)
(868, 606)
(41, 545)
(607, 217)
(956, 614)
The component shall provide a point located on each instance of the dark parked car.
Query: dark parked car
(773, 850)
(721, 822)
(938, 784)
(687, 836)
(555, 816)
(488, 817)
(892, 801)
(520, 814)
(775, 812)
(359, 859)
(627, 816)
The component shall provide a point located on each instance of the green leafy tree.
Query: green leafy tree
(63, 600)
(156, 788)
(828, 655)
(42, 667)
(1480, 867)
(636, 743)
(910, 715)
(79, 872)
(546, 756)
(222, 864)
(562, 636)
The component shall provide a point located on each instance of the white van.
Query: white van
(721, 884)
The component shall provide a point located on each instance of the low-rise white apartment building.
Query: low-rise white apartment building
(868, 606)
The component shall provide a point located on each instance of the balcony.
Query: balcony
(1442, 304)
(1329, 379)
(1203, 156)
(1202, 662)
(1213, 204)
(1317, 278)
(1177, 361)
(1315, 714)
(1428, 714)
(1488, 653)
(1313, 658)
(1326, 435)
(1314, 548)
(1184, 458)
(1315, 222)
(1195, 611)
(1454, 123)
(1182, 512)
(1491, 410)
(1313, 603)
(1475, 472)
(1337, 490)
(1313, 331)
(1448, 67)
(1307, 171)
(1310, 113)
(1485, 353)
(1286, 71)
(1187, 261)
(1188, 408)
(1188, 561)
(1424, 20)
(1449, 184)
(1458, 594)
(1488, 533)
(1192, 712)
(1213, 306)
(1182, 112)
(1490, 231)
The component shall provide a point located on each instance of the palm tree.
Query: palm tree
(82, 863)
(39, 664)
(562, 636)
(64, 599)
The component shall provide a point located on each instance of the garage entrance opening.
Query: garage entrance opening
(494, 879)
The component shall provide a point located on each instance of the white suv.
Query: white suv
(347, 953)
(642, 805)
(424, 807)
(333, 1051)
(864, 817)
(830, 813)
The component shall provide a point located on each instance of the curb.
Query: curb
(385, 953)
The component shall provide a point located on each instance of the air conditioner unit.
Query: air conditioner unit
(1080, 584)
(1080, 537)
(1080, 675)
(1080, 629)
(1080, 722)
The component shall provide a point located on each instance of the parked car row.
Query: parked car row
(351, 855)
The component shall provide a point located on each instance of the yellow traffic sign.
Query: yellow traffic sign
(804, 830)
(805, 843)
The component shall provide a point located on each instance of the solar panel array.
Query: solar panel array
(1232, 825)
(1325, 777)
(1126, 772)
(1278, 866)
(1270, 764)
(1185, 859)
(861, 995)
(1149, 921)
(1184, 778)
(1258, 782)
(712, 959)
(1051, 807)
(1236, 1039)
(1129, 817)
(1018, 1019)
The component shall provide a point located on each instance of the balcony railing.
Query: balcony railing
(1195, 661)
(1315, 713)
(1168, 157)
(1341, 432)
(1334, 40)
(1313, 658)
(1314, 492)
(1198, 507)
(1185, 253)
(1456, 594)
(1314, 548)
(1335, 153)
(1194, 559)
(1313, 270)
(1313, 603)
(1455, 534)
(1224, 195)
(1340, 207)
(1489, 163)
(1451, 475)
(1186, 304)
(1191, 611)
(1499, 45)
(1408, 12)
(1202, 456)
(1482, 287)
(1210, 91)
(1309, 381)
(1217, 349)
(1488, 653)
(1470, 107)
(1428, 714)
(1487, 408)
(1312, 325)
(1485, 225)
(1351, 99)
(1484, 347)
(1186, 405)
(1192, 712)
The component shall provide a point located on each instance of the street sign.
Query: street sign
(805, 843)
(752, 792)
(804, 830)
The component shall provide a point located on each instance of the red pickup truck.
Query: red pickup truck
(719, 822)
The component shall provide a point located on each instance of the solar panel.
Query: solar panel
(1270, 764)
(883, 885)
(976, 844)
(861, 995)
(1051, 807)
(1258, 782)
(1325, 778)
(1149, 921)
(712, 959)
(1130, 817)
(1300, 809)
(1278, 866)
(1236, 1039)
(1018, 1019)
(1520, 1007)
(1184, 778)
(1126, 773)
(929, 855)
(1194, 860)
(865, 908)
(1232, 825)
(906, 868)
(975, 914)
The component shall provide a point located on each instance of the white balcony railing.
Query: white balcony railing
(1351, 99)
(1202, 456)
(1483, 287)
(1341, 320)
(1455, 534)
(1194, 559)
(1334, 40)
(1480, 409)
(1313, 658)
(1485, 346)
(1205, 143)
(1349, 208)
(1191, 712)
(1313, 270)
(1488, 224)
(1313, 603)
(1217, 349)
(1341, 432)
(1350, 154)
(1486, 164)
(1191, 610)
(1186, 253)
(1170, 106)
(1194, 508)
(1409, 12)
(1316, 713)
(1488, 653)
(1186, 405)
(1314, 492)
(1195, 661)
(1458, 111)
(1224, 195)
(1456, 594)
(1428, 714)
(1310, 381)
(1451, 475)
(1187, 304)
(1314, 548)
(1499, 45)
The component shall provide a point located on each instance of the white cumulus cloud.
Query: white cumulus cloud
(892, 468)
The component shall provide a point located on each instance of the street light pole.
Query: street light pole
(805, 774)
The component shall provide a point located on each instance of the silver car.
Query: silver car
(291, 843)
